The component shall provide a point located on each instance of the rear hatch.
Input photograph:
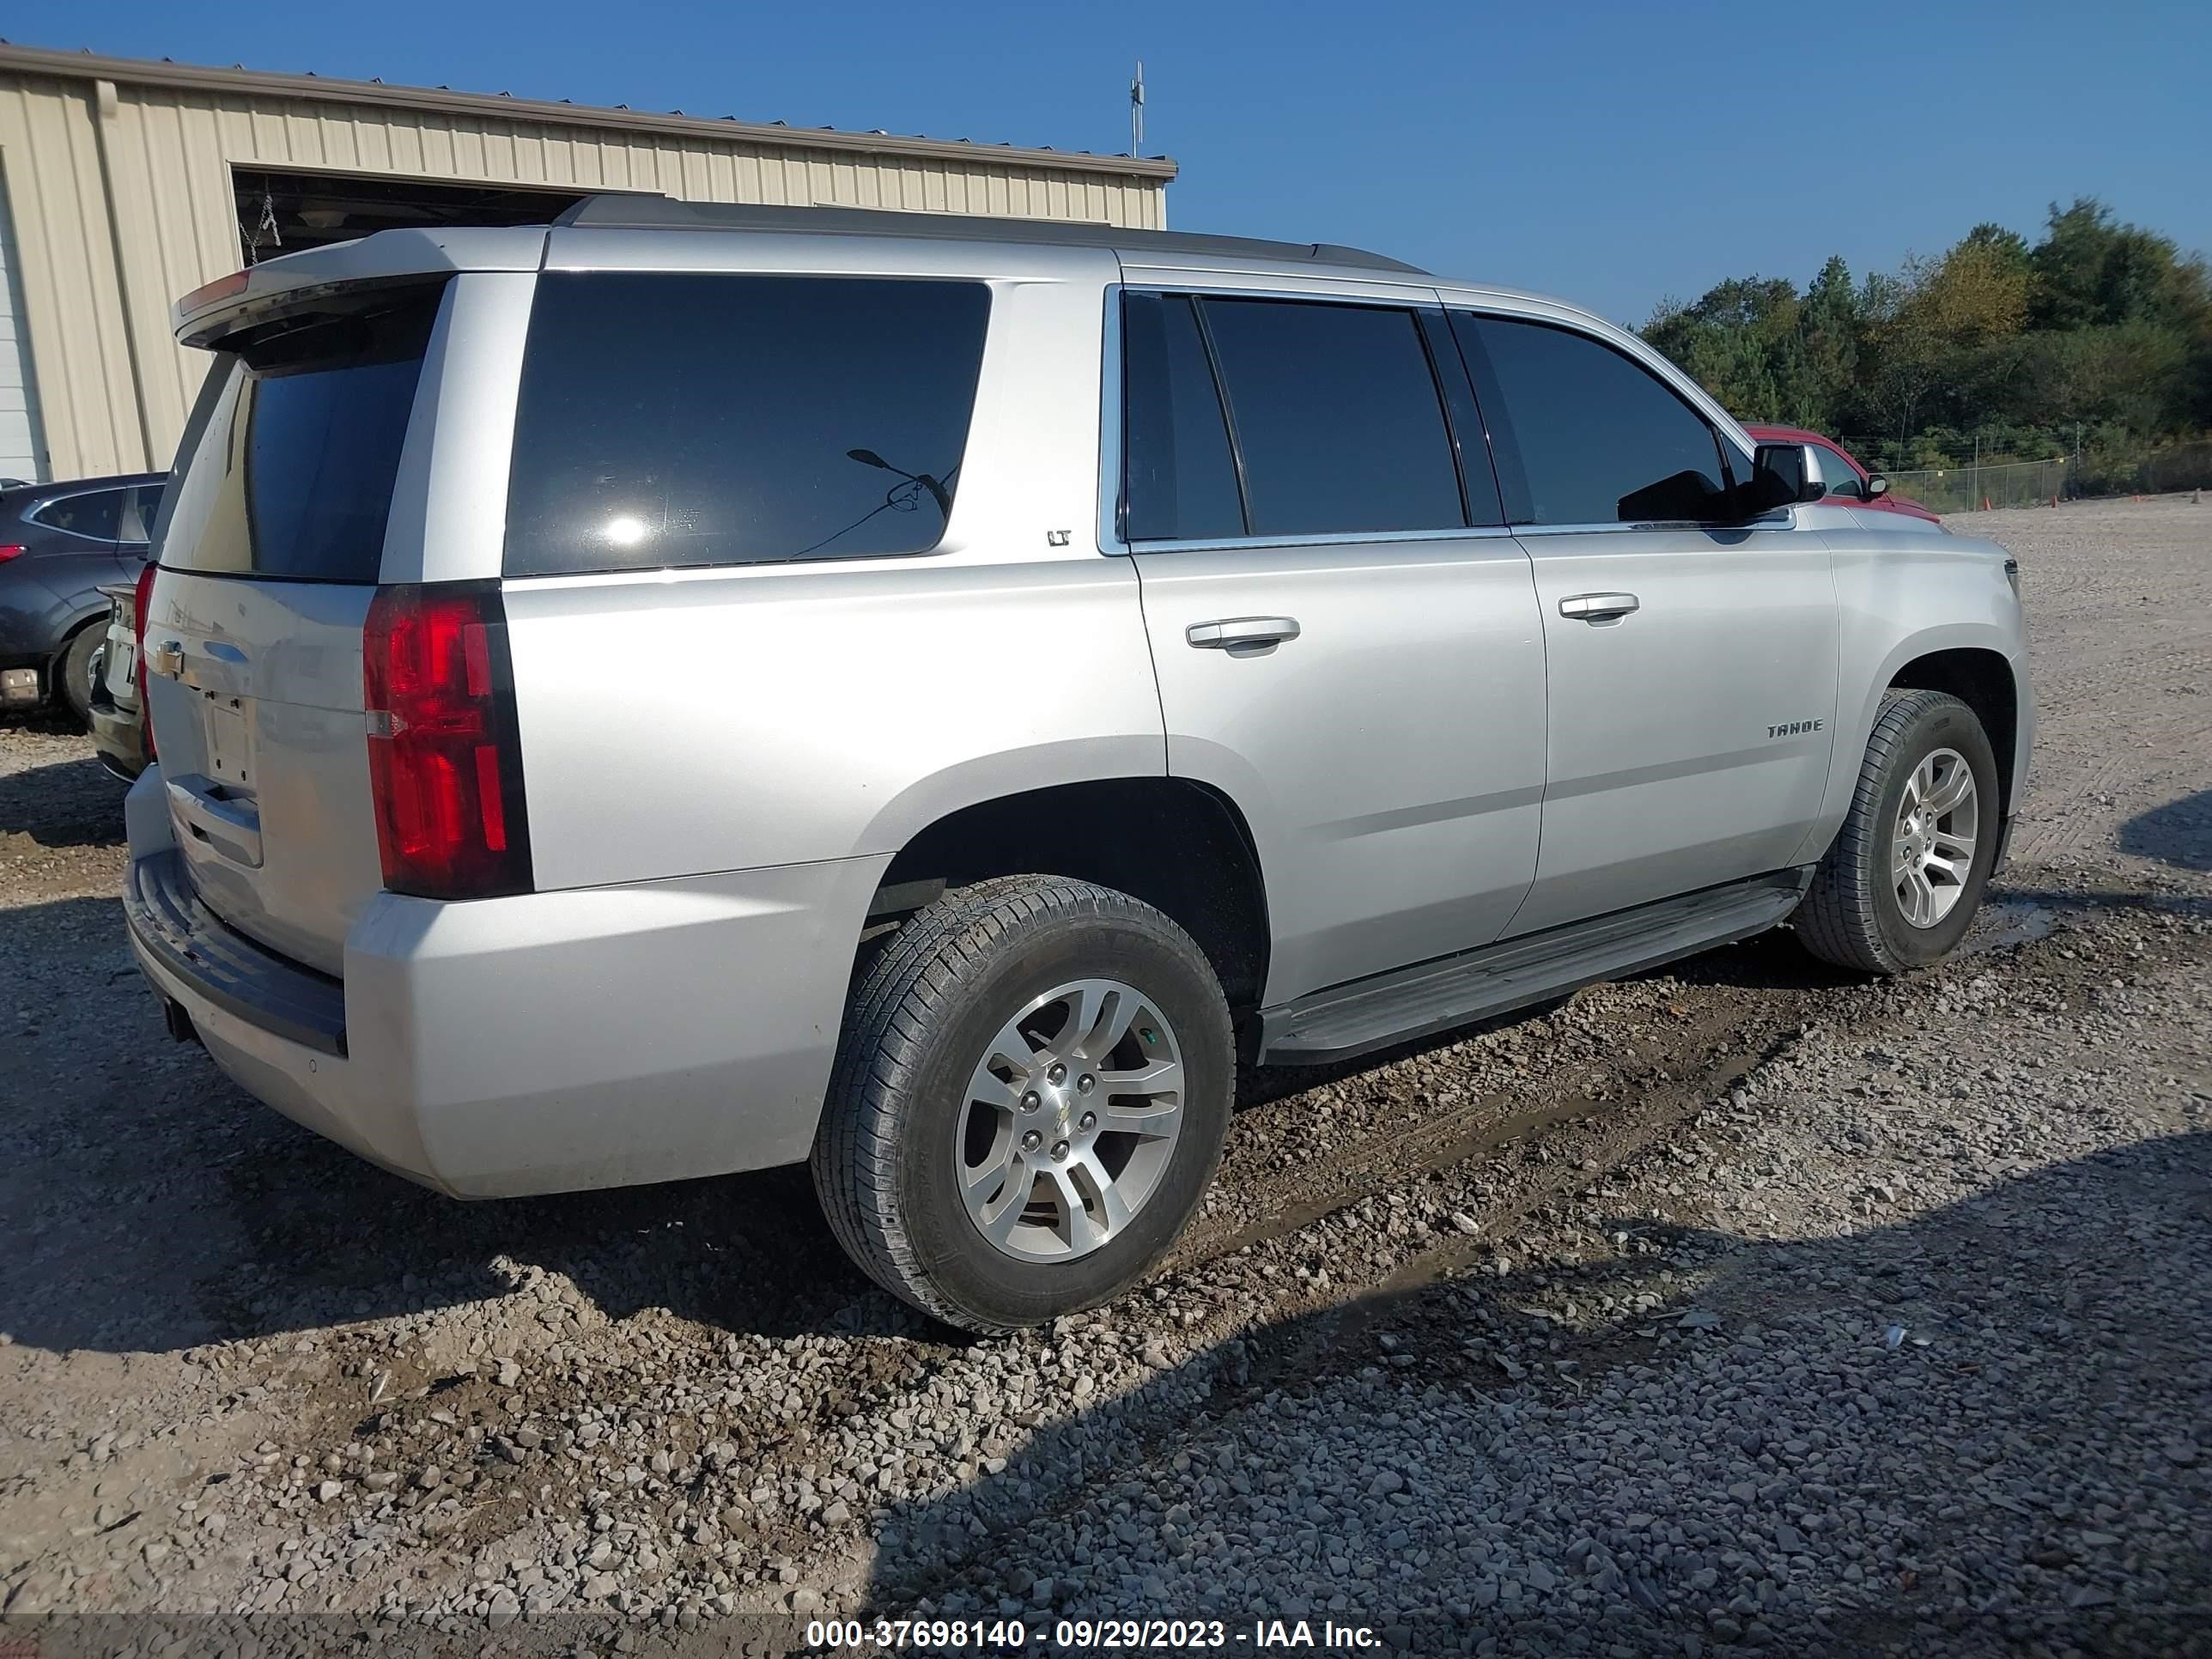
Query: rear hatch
(269, 553)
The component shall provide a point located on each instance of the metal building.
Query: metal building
(124, 185)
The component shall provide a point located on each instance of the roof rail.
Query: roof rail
(610, 211)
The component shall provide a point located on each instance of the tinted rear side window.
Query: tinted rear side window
(1182, 477)
(1337, 418)
(711, 419)
(97, 514)
(292, 475)
(1599, 439)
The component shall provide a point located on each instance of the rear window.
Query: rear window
(292, 475)
(700, 418)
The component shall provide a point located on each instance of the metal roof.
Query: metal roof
(613, 211)
(245, 82)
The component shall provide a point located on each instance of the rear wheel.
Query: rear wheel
(1900, 885)
(1029, 1098)
(74, 671)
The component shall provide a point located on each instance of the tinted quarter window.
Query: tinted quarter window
(1843, 478)
(97, 514)
(1181, 478)
(1336, 417)
(1599, 438)
(292, 475)
(142, 508)
(693, 418)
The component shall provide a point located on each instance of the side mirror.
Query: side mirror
(1876, 486)
(1784, 475)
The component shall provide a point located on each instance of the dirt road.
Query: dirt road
(1740, 1304)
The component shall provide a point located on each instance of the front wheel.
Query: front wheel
(1031, 1095)
(1899, 887)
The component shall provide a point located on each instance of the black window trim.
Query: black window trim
(1505, 445)
(1112, 472)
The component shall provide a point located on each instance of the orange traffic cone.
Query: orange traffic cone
(1985, 503)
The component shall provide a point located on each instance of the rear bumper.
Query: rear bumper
(119, 737)
(543, 1043)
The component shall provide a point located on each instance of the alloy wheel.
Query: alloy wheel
(1932, 844)
(1071, 1120)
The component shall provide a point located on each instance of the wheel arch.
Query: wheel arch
(66, 635)
(1180, 846)
(1983, 678)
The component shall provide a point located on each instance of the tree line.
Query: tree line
(2097, 338)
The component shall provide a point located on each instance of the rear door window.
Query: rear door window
(96, 514)
(292, 477)
(1182, 477)
(1337, 418)
(1585, 434)
(703, 418)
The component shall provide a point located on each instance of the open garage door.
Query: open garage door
(282, 211)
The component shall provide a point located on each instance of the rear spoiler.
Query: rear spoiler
(297, 281)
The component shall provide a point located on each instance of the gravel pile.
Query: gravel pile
(1738, 1306)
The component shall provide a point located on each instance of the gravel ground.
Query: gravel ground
(1745, 1306)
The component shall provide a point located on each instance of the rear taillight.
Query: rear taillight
(141, 603)
(12, 551)
(443, 758)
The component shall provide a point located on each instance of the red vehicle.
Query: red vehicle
(1846, 478)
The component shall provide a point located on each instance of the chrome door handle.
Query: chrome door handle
(1241, 630)
(1599, 607)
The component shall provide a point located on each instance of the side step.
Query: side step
(1435, 996)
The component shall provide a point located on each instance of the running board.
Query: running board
(1435, 996)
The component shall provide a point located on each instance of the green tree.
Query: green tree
(2018, 346)
(2092, 271)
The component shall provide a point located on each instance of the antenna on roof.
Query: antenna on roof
(1137, 111)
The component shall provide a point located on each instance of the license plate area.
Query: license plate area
(227, 728)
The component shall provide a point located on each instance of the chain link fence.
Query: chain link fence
(1967, 488)
(2175, 467)
(2036, 484)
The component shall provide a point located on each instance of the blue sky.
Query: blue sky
(1611, 152)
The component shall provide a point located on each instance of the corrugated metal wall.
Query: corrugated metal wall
(164, 172)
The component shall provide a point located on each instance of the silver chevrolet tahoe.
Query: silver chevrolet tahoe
(688, 688)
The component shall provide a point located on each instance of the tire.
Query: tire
(73, 669)
(1855, 915)
(912, 1126)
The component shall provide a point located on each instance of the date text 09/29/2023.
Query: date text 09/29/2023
(1116, 1635)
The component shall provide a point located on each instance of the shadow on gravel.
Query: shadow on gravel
(148, 1204)
(2178, 833)
(2014, 1473)
(67, 804)
(254, 1227)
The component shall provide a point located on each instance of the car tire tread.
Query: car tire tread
(1838, 920)
(902, 997)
